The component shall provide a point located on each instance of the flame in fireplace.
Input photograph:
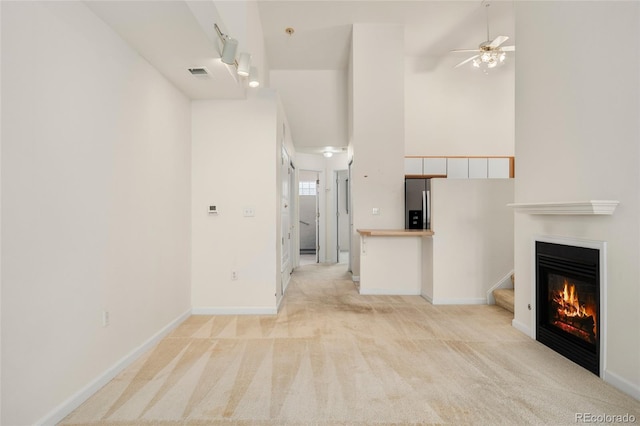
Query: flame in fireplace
(574, 316)
(569, 302)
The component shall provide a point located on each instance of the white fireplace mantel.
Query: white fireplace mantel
(591, 207)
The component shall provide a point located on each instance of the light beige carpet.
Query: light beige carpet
(333, 357)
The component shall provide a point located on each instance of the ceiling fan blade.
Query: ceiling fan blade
(466, 60)
(465, 50)
(508, 48)
(498, 41)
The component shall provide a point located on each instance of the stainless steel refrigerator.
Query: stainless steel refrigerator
(417, 203)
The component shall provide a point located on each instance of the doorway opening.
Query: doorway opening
(308, 205)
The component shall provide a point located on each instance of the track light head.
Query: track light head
(244, 62)
(254, 77)
(230, 45)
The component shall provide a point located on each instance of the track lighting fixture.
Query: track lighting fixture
(229, 51)
(242, 64)
(254, 77)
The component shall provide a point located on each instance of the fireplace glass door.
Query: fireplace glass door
(567, 305)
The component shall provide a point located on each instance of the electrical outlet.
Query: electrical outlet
(248, 212)
(105, 318)
(234, 275)
(376, 211)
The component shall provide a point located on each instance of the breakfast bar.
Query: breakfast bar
(391, 260)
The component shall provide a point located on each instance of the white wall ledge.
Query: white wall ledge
(591, 207)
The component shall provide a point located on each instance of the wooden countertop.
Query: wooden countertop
(395, 232)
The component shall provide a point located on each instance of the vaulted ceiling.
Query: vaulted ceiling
(323, 28)
(308, 67)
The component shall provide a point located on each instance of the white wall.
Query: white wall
(319, 118)
(472, 245)
(235, 157)
(577, 134)
(95, 205)
(391, 265)
(460, 111)
(378, 129)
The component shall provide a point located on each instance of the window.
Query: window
(307, 188)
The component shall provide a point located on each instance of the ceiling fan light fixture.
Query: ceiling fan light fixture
(490, 53)
(489, 59)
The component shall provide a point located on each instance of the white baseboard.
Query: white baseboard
(427, 298)
(64, 409)
(280, 302)
(624, 385)
(613, 379)
(388, 292)
(505, 282)
(521, 327)
(235, 310)
(446, 301)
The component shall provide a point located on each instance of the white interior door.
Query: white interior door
(350, 206)
(286, 264)
(317, 219)
(343, 219)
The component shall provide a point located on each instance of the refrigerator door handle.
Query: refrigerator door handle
(424, 210)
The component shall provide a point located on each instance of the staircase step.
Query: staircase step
(504, 298)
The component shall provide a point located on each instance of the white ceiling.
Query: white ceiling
(177, 35)
(323, 28)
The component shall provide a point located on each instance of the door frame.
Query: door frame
(337, 176)
(321, 249)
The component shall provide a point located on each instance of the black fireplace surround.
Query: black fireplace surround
(568, 302)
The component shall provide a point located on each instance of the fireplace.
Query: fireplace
(568, 299)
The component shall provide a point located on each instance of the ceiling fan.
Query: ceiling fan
(490, 53)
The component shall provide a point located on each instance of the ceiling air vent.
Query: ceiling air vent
(199, 72)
